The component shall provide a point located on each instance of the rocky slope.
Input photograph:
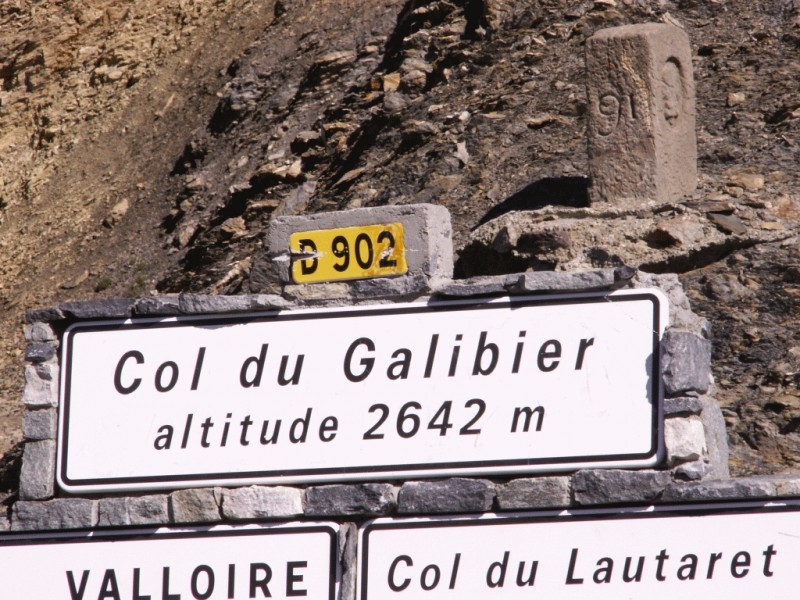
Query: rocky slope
(97, 99)
(146, 145)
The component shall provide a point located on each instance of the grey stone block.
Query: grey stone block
(411, 286)
(717, 451)
(40, 424)
(44, 315)
(318, 292)
(41, 386)
(364, 499)
(685, 440)
(788, 486)
(641, 114)
(477, 286)
(263, 277)
(202, 304)
(61, 513)
(615, 486)
(681, 316)
(539, 492)
(721, 489)
(37, 477)
(550, 281)
(297, 200)
(197, 505)
(427, 236)
(157, 306)
(119, 308)
(39, 332)
(682, 406)
(136, 510)
(686, 363)
(38, 352)
(256, 502)
(448, 496)
(692, 471)
(348, 559)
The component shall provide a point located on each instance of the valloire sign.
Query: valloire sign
(278, 562)
(451, 387)
(734, 552)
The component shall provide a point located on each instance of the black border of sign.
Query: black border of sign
(573, 515)
(358, 473)
(83, 536)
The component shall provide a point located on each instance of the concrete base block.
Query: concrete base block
(427, 236)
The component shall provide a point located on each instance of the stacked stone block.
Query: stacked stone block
(39, 426)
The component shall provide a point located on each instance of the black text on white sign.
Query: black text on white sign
(507, 386)
(718, 551)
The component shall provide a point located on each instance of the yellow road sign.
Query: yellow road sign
(348, 253)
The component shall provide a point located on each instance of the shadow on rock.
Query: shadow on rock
(551, 191)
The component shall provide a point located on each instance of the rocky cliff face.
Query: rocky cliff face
(146, 146)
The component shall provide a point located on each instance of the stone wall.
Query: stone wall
(694, 432)
(694, 467)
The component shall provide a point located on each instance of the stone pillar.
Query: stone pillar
(641, 126)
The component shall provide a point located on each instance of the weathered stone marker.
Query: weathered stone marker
(411, 241)
(640, 89)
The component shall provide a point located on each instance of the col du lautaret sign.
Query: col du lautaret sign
(450, 387)
(731, 551)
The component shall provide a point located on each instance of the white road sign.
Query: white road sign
(206, 563)
(505, 386)
(734, 552)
